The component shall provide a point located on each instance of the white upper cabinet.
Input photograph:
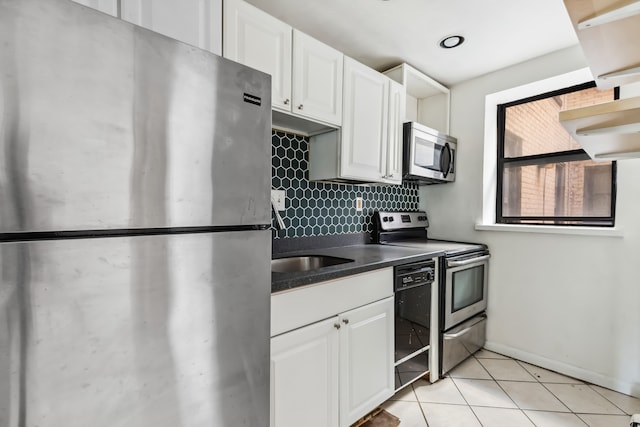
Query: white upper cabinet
(106, 6)
(306, 74)
(369, 146)
(427, 101)
(317, 79)
(364, 124)
(197, 22)
(397, 105)
(258, 40)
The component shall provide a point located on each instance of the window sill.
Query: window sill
(553, 229)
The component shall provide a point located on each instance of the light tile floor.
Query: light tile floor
(491, 390)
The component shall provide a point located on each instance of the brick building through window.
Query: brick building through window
(544, 175)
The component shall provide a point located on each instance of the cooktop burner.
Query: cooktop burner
(409, 229)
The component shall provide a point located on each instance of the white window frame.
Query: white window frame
(490, 172)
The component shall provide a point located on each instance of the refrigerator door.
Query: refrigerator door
(106, 125)
(147, 331)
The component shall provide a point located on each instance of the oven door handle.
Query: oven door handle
(457, 334)
(467, 261)
(464, 331)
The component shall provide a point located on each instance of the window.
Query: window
(544, 177)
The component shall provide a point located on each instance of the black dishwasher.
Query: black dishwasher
(412, 320)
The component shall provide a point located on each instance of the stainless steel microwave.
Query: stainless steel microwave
(429, 156)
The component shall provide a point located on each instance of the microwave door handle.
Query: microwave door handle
(445, 159)
(467, 261)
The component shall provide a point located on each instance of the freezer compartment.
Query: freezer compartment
(462, 341)
(148, 331)
(106, 125)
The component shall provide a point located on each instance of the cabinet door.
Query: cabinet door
(255, 38)
(197, 22)
(304, 376)
(106, 6)
(364, 123)
(317, 79)
(366, 359)
(397, 106)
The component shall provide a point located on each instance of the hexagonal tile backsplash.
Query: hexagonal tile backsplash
(317, 208)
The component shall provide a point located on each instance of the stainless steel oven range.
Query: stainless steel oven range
(462, 285)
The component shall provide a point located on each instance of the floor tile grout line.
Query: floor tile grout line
(580, 418)
(496, 381)
(557, 397)
(554, 395)
(536, 379)
(483, 367)
(504, 409)
(587, 413)
(505, 392)
(514, 402)
(607, 399)
(424, 416)
(465, 399)
(517, 362)
(520, 362)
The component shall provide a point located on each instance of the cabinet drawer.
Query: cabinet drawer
(305, 305)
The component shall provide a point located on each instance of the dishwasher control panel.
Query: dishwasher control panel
(416, 274)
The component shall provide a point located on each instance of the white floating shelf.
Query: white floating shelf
(615, 14)
(608, 31)
(606, 131)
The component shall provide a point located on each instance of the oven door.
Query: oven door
(465, 290)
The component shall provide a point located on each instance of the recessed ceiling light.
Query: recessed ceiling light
(450, 42)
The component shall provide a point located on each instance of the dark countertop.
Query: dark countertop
(366, 257)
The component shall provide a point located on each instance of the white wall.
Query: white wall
(570, 303)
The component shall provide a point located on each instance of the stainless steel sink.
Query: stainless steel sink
(305, 263)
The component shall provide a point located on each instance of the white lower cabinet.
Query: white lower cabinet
(304, 376)
(333, 372)
(366, 359)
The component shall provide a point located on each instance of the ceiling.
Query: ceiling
(382, 34)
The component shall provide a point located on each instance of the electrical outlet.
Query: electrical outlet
(278, 198)
(359, 203)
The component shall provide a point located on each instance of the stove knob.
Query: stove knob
(390, 219)
(385, 219)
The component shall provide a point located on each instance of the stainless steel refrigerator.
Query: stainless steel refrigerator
(134, 212)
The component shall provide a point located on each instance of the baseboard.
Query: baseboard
(632, 389)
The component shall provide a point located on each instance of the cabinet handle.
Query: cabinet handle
(336, 325)
(286, 101)
(345, 321)
(300, 107)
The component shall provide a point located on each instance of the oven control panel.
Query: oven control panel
(402, 220)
